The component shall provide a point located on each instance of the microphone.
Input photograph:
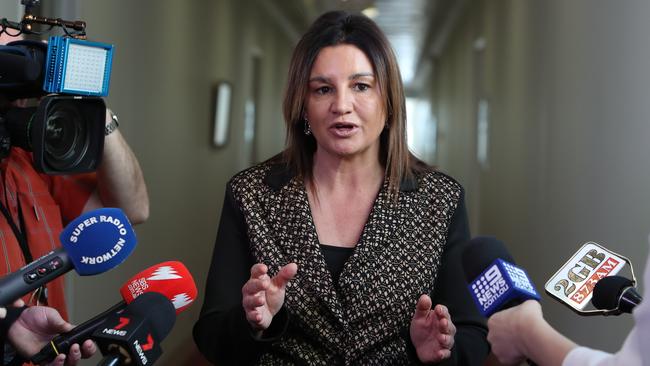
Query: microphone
(93, 243)
(133, 336)
(171, 279)
(493, 280)
(22, 68)
(573, 284)
(17, 67)
(615, 295)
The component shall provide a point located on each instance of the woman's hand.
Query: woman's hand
(432, 331)
(263, 296)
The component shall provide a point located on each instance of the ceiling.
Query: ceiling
(416, 28)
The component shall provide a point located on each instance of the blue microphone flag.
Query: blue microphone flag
(499, 284)
(98, 240)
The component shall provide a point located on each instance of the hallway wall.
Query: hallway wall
(567, 84)
(169, 55)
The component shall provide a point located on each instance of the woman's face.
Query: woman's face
(345, 108)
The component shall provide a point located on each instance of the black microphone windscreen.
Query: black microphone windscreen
(608, 290)
(22, 65)
(17, 69)
(157, 309)
(480, 253)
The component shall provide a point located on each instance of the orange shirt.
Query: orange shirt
(47, 203)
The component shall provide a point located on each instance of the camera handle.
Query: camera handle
(29, 19)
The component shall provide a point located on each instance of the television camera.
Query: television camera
(67, 76)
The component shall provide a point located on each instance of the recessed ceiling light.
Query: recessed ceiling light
(371, 12)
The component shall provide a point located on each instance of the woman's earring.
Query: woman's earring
(307, 128)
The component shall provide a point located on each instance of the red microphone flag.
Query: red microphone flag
(171, 279)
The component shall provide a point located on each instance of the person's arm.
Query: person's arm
(120, 182)
(470, 344)
(222, 333)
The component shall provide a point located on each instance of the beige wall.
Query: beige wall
(168, 56)
(11, 10)
(567, 84)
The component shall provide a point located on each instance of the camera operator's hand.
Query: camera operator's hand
(36, 326)
(120, 179)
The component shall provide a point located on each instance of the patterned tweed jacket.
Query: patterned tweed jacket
(363, 321)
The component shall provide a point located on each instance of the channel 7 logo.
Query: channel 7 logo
(489, 287)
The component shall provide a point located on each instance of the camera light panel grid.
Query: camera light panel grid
(78, 67)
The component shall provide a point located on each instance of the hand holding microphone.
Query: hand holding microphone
(93, 243)
(497, 284)
(133, 337)
(35, 327)
(590, 274)
(508, 331)
(171, 279)
(521, 331)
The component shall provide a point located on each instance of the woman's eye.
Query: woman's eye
(361, 87)
(323, 90)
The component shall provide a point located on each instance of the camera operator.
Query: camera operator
(35, 206)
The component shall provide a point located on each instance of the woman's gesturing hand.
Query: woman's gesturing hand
(263, 296)
(432, 331)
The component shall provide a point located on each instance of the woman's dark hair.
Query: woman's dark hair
(335, 28)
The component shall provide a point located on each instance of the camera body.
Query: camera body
(65, 131)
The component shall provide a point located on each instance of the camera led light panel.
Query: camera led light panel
(78, 67)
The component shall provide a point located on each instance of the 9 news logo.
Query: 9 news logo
(489, 287)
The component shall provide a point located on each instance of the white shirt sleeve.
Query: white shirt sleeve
(631, 354)
(585, 356)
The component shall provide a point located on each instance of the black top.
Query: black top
(246, 236)
(335, 258)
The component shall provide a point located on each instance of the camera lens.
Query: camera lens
(66, 136)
